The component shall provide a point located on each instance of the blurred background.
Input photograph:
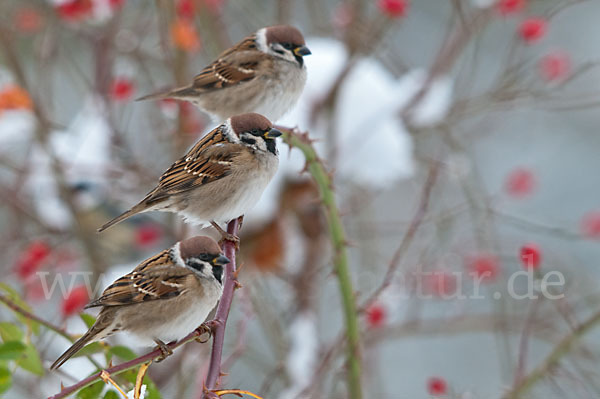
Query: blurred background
(462, 139)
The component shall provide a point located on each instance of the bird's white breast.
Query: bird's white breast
(282, 91)
(188, 320)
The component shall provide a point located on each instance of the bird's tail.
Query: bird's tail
(180, 93)
(76, 347)
(121, 217)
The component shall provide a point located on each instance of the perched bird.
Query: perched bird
(264, 73)
(220, 178)
(163, 299)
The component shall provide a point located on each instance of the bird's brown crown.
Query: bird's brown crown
(194, 246)
(246, 122)
(284, 34)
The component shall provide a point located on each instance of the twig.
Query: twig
(524, 342)
(408, 237)
(553, 358)
(43, 322)
(33, 317)
(456, 41)
(220, 321)
(66, 391)
(338, 240)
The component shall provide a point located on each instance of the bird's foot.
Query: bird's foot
(225, 236)
(164, 350)
(204, 329)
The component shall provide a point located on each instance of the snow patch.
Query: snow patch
(302, 357)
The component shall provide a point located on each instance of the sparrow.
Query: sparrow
(264, 73)
(163, 299)
(220, 178)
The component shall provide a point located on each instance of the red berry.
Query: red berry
(75, 10)
(75, 300)
(185, 8)
(122, 89)
(533, 29)
(393, 8)
(484, 267)
(437, 386)
(506, 7)
(531, 256)
(555, 66)
(590, 224)
(520, 182)
(147, 235)
(376, 315)
(31, 259)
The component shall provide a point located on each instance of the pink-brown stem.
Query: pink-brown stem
(66, 391)
(214, 369)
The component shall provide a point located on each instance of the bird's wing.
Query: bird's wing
(155, 278)
(209, 160)
(237, 64)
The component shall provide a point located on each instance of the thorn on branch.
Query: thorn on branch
(330, 175)
(305, 169)
(213, 324)
(237, 271)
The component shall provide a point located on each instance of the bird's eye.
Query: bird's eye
(205, 257)
(288, 46)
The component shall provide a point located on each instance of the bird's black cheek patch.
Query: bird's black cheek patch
(271, 146)
(218, 273)
(300, 60)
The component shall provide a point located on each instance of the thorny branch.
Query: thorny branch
(33, 317)
(220, 321)
(338, 240)
(124, 366)
(25, 313)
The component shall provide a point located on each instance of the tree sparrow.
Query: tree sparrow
(263, 73)
(163, 299)
(220, 178)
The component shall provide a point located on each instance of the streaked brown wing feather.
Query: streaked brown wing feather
(153, 279)
(235, 65)
(209, 160)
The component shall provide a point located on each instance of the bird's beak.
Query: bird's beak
(272, 134)
(221, 260)
(302, 51)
